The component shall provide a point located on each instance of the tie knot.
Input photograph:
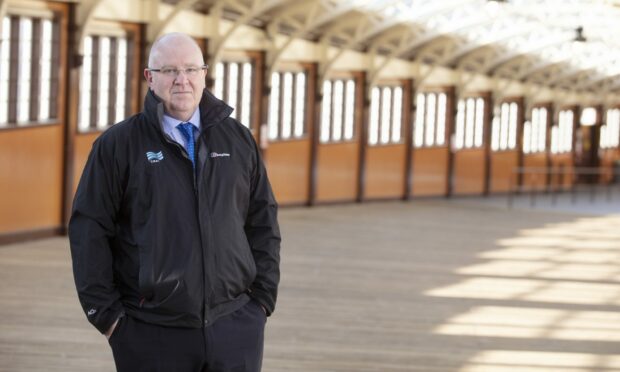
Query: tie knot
(187, 129)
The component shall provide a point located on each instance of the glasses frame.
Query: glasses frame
(178, 71)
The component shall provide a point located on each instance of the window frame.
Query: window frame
(518, 127)
(294, 70)
(357, 98)
(447, 122)
(131, 33)
(559, 128)
(609, 141)
(476, 128)
(240, 57)
(528, 143)
(57, 14)
(392, 86)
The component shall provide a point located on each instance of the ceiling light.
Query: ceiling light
(579, 35)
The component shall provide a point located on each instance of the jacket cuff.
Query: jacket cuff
(105, 320)
(264, 299)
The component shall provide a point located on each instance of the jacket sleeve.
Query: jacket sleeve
(91, 228)
(263, 234)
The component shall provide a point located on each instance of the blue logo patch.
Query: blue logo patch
(154, 157)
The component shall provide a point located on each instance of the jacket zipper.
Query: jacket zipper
(203, 309)
(206, 260)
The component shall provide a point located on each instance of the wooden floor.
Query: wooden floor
(418, 286)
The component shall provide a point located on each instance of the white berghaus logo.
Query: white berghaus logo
(220, 155)
(92, 312)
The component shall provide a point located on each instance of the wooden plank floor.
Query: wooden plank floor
(418, 286)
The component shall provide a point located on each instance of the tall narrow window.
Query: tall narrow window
(121, 81)
(105, 87)
(300, 104)
(233, 88)
(479, 125)
(385, 115)
(349, 111)
(430, 121)
(104, 83)
(373, 125)
(397, 113)
(326, 111)
(45, 74)
(442, 106)
(85, 85)
(274, 107)
(5, 61)
(23, 80)
(610, 131)
(338, 111)
(234, 84)
(562, 133)
(504, 128)
(287, 106)
(218, 90)
(469, 123)
(535, 132)
(429, 128)
(419, 120)
(512, 131)
(246, 93)
(27, 58)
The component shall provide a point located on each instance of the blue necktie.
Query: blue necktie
(187, 129)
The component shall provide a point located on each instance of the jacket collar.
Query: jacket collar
(212, 109)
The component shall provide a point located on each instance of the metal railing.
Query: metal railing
(557, 180)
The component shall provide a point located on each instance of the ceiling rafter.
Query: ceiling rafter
(535, 68)
(508, 41)
(494, 65)
(569, 76)
(435, 50)
(85, 15)
(548, 72)
(469, 49)
(431, 36)
(276, 53)
(156, 27)
(603, 81)
(339, 28)
(384, 26)
(256, 10)
(376, 71)
(436, 8)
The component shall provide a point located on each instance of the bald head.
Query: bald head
(176, 74)
(169, 44)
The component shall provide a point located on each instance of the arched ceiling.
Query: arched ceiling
(527, 40)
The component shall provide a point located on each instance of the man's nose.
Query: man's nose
(181, 77)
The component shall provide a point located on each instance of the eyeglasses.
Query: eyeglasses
(174, 72)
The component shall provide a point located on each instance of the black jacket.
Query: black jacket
(151, 239)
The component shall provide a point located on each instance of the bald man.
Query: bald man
(174, 234)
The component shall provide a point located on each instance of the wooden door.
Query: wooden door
(431, 153)
(289, 131)
(471, 146)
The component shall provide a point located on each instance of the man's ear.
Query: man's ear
(148, 76)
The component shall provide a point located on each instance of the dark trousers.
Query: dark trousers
(234, 343)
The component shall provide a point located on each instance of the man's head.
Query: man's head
(175, 74)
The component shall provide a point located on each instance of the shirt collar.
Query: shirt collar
(171, 123)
